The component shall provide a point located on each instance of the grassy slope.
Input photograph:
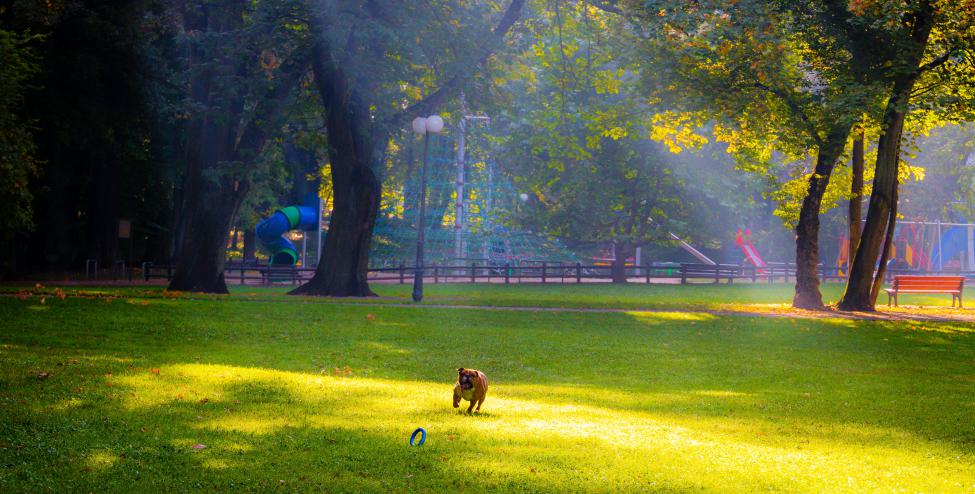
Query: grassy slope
(579, 401)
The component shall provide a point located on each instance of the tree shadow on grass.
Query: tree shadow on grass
(265, 428)
(562, 387)
(263, 432)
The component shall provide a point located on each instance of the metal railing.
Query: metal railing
(259, 274)
(543, 272)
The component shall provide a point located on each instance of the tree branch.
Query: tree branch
(607, 6)
(270, 112)
(435, 99)
(796, 110)
(937, 62)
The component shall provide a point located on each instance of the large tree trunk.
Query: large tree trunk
(201, 263)
(862, 287)
(621, 251)
(343, 270)
(228, 129)
(250, 246)
(355, 141)
(856, 196)
(210, 208)
(209, 204)
(888, 247)
(859, 294)
(807, 294)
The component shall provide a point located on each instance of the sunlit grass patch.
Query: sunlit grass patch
(554, 433)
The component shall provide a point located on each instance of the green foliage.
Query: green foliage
(577, 133)
(18, 163)
(947, 192)
(775, 79)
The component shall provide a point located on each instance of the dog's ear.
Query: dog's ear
(460, 370)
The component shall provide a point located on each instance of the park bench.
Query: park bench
(926, 284)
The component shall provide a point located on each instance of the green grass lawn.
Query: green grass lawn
(590, 402)
(704, 296)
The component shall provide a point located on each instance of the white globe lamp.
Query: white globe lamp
(434, 124)
(420, 125)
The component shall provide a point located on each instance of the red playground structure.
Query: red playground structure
(745, 242)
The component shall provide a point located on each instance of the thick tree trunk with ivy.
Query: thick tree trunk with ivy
(211, 202)
(807, 294)
(209, 207)
(343, 269)
(225, 138)
(211, 198)
(863, 287)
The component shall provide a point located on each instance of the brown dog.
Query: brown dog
(472, 385)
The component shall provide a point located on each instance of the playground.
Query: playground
(487, 246)
(138, 389)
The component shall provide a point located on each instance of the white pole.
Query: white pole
(487, 213)
(941, 258)
(971, 248)
(459, 215)
(321, 206)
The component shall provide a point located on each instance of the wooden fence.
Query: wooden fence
(542, 272)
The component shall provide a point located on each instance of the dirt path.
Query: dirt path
(777, 312)
(903, 313)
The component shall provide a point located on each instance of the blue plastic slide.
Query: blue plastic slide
(270, 232)
(953, 241)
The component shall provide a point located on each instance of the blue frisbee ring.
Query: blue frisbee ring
(423, 437)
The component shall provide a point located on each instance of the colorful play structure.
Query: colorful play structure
(925, 247)
(271, 231)
(689, 248)
(744, 241)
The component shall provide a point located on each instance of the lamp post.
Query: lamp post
(423, 126)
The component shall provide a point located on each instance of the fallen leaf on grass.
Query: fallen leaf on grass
(43, 375)
(154, 370)
(199, 446)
